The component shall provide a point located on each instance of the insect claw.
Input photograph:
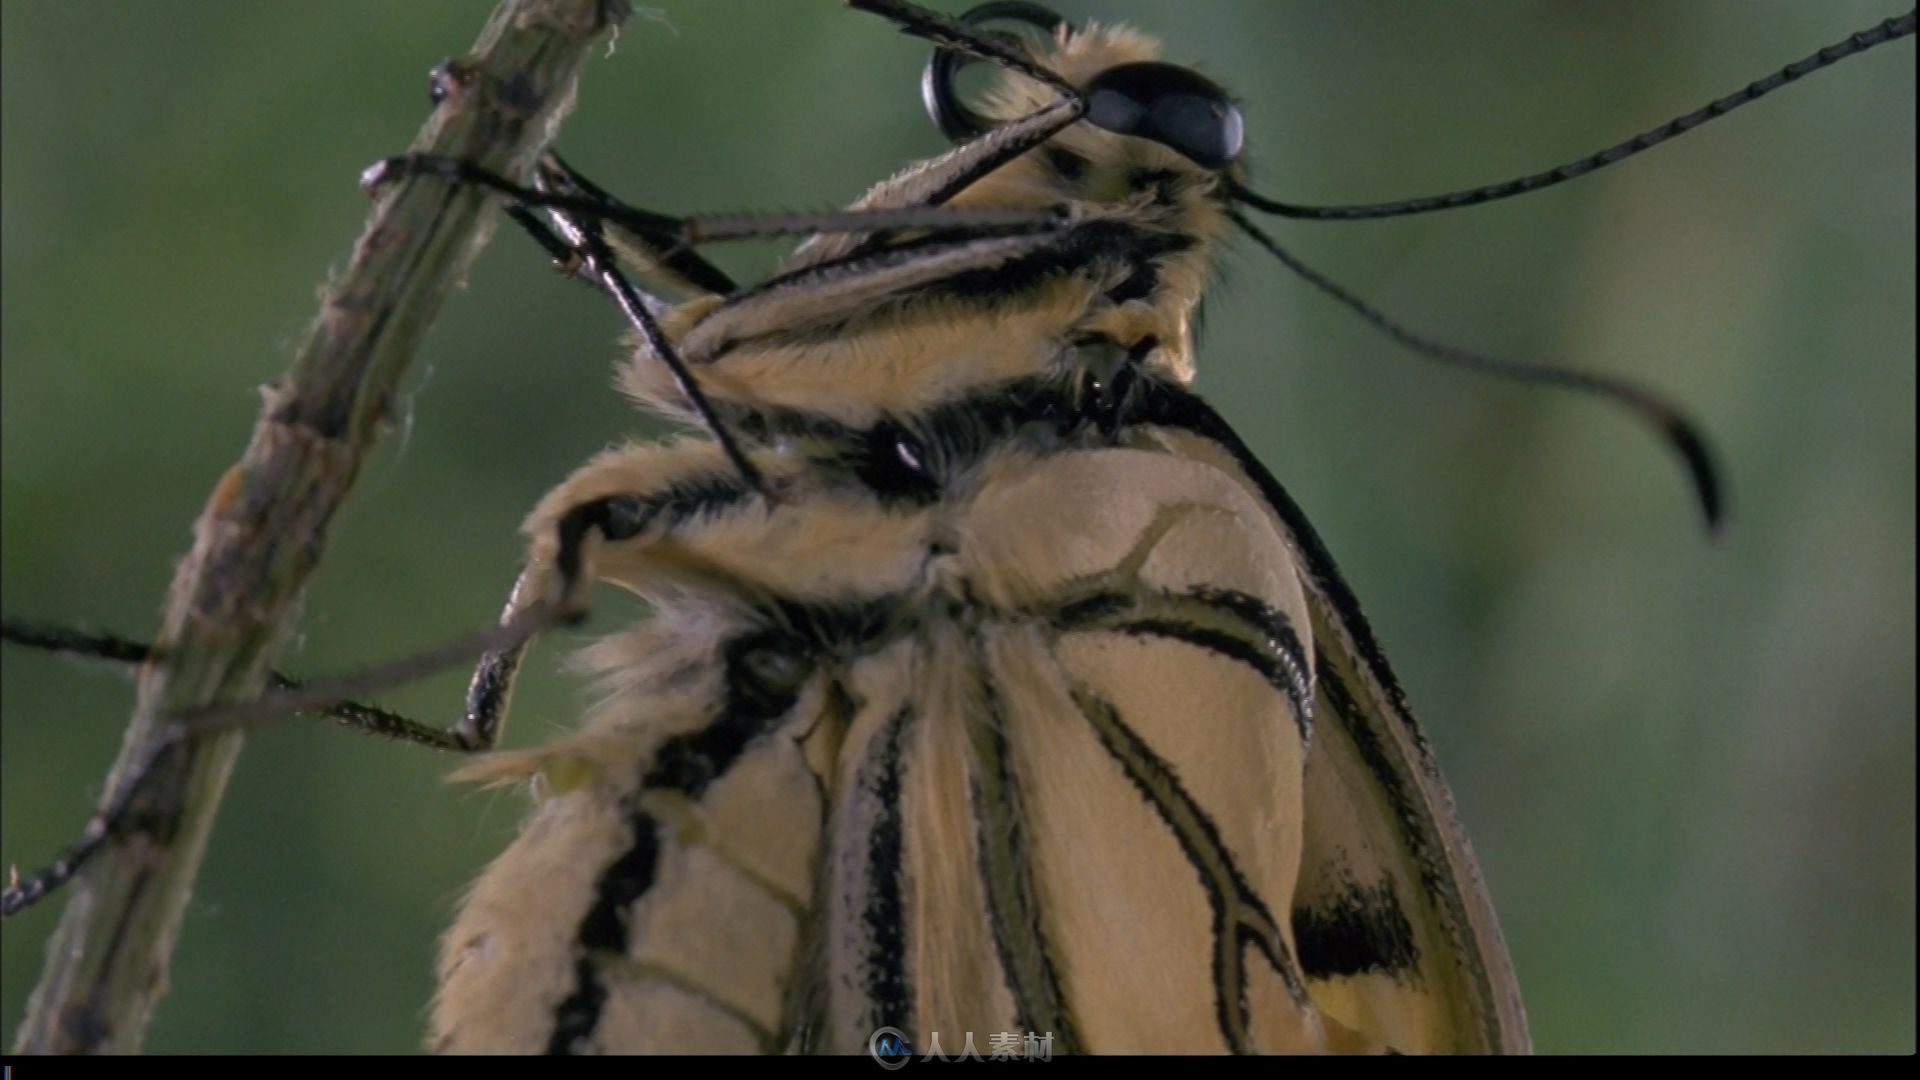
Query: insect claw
(453, 170)
(381, 173)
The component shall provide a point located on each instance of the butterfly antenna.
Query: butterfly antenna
(1892, 29)
(1680, 434)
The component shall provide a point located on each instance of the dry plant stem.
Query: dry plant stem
(234, 596)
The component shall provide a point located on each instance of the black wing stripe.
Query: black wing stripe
(689, 763)
(1173, 407)
(1406, 804)
(885, 981)
(1240, 916)
(1360, 930)
(693, 761)
(1013, 915)
(603, 932)
(1231, 624)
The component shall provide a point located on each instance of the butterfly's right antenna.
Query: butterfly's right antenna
(1669, 423)
(1889, 30)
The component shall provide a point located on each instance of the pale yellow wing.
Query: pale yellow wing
(1395, 929)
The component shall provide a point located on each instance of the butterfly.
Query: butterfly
(1254, 427)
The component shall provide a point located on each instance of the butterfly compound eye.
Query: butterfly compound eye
(1171, 105)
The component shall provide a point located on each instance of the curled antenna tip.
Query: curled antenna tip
(1705, 476)
(1666, 419)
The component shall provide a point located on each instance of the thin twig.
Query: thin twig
(263, 529)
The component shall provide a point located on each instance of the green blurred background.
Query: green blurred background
(1688, 766)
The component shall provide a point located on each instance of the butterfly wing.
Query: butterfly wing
(1395, 931)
